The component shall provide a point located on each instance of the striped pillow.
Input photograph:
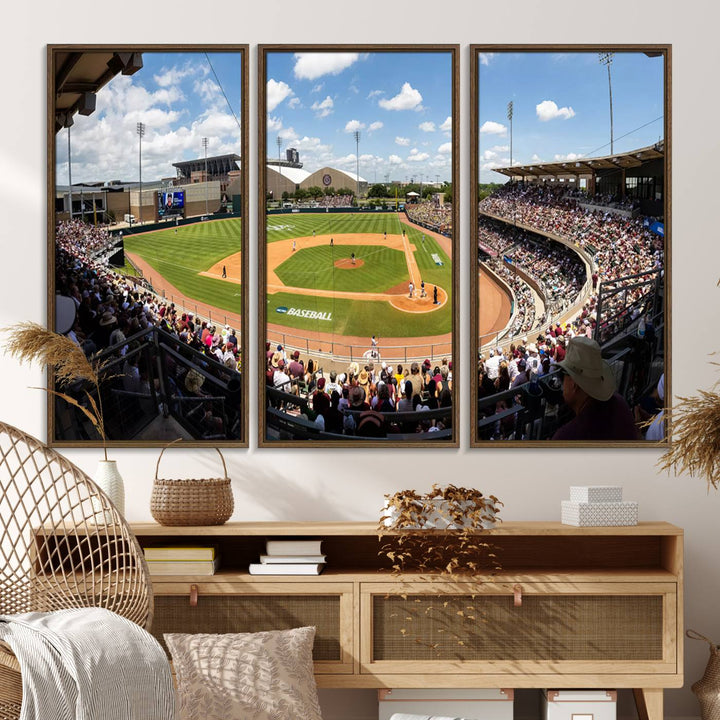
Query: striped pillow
(246, 676)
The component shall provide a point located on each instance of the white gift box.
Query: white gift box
(579, 705)
(596, 514)
(475, 704)
(596, 493)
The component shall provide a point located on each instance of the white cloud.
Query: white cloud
(318, 88)
(173, 76)
(407, 99)
(548, 110)
(276, 93)
(374, 126)
(324, 108)
(293, 103)
(353, 126)
(485, 58)
(346, 160)
(427, 126)
(289, 136)
(445, 148)
(536, 158)
(492, 128)
(446, 127)
(491, 165)
(395, 160)
(569, 156)
(417, 156)
(101, 141)
(274, 124)
(403, 141)
(309, 66)
(500, 148)
(375, 93)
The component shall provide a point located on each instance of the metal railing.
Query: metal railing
(158, 376)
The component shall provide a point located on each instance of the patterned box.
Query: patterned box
(579, 705)
(596, 493)
(595, 514)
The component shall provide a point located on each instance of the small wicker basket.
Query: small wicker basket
(204, 501)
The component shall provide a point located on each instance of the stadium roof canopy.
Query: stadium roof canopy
(217, 165)
(79, 75)
(587, 166)
(294, 175)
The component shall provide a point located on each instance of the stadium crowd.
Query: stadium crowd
(112, 308)
(431, 215)
(525, 310)
(619, 246)
(331, 201)
(556, 268)
(367, 401)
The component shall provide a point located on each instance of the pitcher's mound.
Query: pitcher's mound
(347, 263)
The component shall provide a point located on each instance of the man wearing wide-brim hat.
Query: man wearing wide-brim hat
(589, 390)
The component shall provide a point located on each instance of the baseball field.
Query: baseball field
(350, 274)
(331, 274)
(191, 259)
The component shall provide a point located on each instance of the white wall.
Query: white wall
(347, 484)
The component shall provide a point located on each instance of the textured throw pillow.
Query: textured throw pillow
(246, 676)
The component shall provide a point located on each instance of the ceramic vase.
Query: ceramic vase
(108, 479)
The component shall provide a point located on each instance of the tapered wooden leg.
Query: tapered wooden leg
(649, 703)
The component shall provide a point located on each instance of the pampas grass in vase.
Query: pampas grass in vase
(31, 343)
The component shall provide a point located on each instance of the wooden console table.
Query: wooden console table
(571, 608)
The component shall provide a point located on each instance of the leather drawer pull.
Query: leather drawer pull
(517, 593)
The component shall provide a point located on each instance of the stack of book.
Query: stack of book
(176, 560)
(290, 557)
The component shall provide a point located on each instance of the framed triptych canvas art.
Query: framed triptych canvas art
(570, 268)
(358, 217)
(147, 241)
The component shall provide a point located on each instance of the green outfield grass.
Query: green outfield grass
(290, 225)
(180, 257)
(314, 267)
(357, 317)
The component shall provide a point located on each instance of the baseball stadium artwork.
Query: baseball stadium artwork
(146, 240)
(570, 245)
(358, 246)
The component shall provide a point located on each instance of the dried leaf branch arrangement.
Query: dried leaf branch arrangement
(32, 343)
(695, 445)
(439, 532)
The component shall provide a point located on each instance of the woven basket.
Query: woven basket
(707, 689)
(204, 501)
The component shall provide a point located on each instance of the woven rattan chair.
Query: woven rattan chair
(62, 545)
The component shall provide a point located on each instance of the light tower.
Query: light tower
(205, 144)
(510, 117)
(606, 59)
(140, 132)
(357, 163)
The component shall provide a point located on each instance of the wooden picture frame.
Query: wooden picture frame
(617, 291)
(106, 106)
(410, 74)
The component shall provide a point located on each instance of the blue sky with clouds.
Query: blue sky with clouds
(180, 100)
(401, 102)
(561, 107)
